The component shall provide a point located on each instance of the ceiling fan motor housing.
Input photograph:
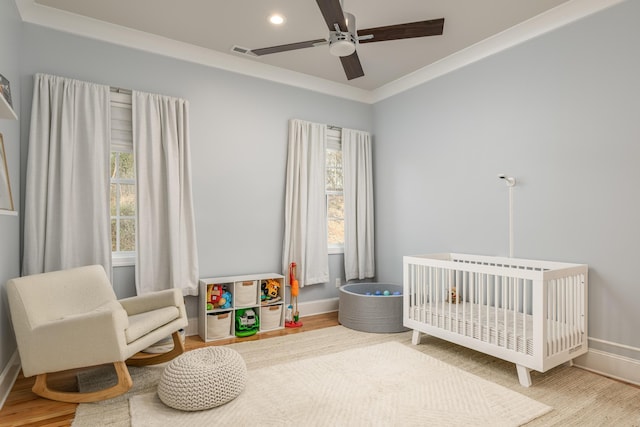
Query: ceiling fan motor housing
(344, 43)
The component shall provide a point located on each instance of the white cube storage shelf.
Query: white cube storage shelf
(217, 322)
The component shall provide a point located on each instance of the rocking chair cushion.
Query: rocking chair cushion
(143, 323)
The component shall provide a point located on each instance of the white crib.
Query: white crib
(531, 313)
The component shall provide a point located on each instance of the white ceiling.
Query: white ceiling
(215, 26)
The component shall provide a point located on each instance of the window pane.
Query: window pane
(334, 159)
(334, 179)
(336, 232)
(113, 160)
(127, 200)
(114, 237)
(335, 206)
(128, 235)
(330, 176)
(112, 197)
(126, 166)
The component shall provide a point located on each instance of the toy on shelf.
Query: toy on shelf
(218, 297)
(247, 322)
(295, 289)
(225, 300)
(270, 291)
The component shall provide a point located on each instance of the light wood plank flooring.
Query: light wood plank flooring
(23, 408)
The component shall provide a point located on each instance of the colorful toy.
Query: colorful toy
(247, 322)
(218, 297)
(225, 300)
(295, 289)
(214, 292)
(270, 290)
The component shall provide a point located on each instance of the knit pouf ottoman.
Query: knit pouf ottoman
(203, 379)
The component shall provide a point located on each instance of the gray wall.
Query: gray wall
(238, 133)
(10, 25)
(561, 113)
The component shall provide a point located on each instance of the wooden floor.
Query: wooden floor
(23, 408)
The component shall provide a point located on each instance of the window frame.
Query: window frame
(334, 143)
(121, 142)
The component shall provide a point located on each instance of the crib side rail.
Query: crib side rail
(565, 313)
(482, 304)
(533, 317)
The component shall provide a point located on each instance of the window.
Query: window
(123, 184)
(334, 192)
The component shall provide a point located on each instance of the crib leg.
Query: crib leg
(415, 338)
(524, 375)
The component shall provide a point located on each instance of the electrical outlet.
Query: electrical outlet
(338, 282)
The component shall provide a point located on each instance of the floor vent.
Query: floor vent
(242, 50)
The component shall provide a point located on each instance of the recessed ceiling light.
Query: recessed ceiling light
(276, 19)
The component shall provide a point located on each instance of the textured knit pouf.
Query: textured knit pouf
(203, 379)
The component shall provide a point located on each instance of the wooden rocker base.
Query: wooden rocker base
(145, 359)
(124, 384)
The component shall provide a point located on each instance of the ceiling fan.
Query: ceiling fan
(344, 37)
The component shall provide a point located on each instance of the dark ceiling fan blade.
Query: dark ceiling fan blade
(433, 27)
(352, 66)
(332, 14)
(287, 47)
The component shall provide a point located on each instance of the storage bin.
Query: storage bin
(271, 317)
(245, 293)
(219, 325)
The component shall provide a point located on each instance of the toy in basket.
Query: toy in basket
(293, 316)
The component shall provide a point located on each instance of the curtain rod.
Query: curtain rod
(120, 90)
(332, 127)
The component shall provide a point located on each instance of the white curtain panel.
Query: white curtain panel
(359, 253)
(305, 229)
(165, 231)
(67, 218)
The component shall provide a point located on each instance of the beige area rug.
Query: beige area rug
(578, 397)
(381, 385)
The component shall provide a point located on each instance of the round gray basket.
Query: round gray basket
(371, 313)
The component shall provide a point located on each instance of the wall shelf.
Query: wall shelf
(6, 112)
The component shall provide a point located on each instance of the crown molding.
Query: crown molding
(60, 20)
(37, 14)
(552, 19)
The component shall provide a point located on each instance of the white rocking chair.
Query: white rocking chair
(71, 319)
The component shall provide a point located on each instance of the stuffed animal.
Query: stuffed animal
(271, 288)
(453, 296)
(225, 300)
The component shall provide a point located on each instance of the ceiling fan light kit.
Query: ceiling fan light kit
(344, 37)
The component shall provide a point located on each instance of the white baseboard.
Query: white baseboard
(192, 327)
(610, 365)
(318, 307)
(8, 377)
